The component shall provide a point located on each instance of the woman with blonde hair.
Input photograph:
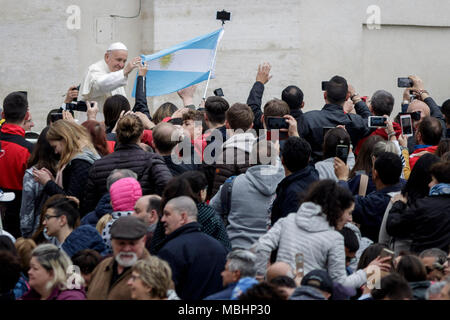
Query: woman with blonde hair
(150, 279)
(50, 278)
(77, 154)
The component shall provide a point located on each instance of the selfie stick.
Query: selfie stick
(213, 62)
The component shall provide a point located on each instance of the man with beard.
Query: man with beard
(110, 277)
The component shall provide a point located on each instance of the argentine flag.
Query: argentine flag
(181, 66)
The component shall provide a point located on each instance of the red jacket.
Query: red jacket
(13, 163)
(379, 132)
(415, 155)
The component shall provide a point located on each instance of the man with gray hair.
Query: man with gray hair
(195, 258)
(381, 104)
(104, 204)
(435, 262)
(109, 76)
(240, 264)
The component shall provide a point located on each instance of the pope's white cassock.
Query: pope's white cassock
(99, 83)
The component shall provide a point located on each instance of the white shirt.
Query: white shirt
(99, 83)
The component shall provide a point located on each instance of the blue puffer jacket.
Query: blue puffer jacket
(103, 207)
(84, 237)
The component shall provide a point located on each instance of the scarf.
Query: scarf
(440, 189)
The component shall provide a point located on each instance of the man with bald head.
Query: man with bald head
(277, 269)
(165, 137)
(195, 258)
(109, 76)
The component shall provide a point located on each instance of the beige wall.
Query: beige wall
(306, 41)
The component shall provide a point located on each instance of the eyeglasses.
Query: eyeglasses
(48, 217)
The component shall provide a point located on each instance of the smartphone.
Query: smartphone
(56, 116)
(377, 122)
(342, 152)
(406, 124)
(274, 123)
(404, 83)
(387, 253)
(299, 264)
(218, 92)
(324, 85)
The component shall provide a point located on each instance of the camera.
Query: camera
(404, 83)
(78, 106)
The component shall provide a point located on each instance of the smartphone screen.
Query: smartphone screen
(377, 122)
(324, 85)
(406, 124)
(342, 152)
(404, 82)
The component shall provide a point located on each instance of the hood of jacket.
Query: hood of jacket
(83, 237)
(87, 155)
(265, 178)
(306, 293)
(241, 141)
(309, 217)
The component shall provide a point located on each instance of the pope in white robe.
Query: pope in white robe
(109, 76)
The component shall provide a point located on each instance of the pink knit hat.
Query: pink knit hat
(124, 194)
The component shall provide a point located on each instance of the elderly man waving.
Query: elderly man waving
(109, 76)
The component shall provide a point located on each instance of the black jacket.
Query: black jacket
(426, 222)
(150, 168)
(369, 210)
(289, 191)
(196, 260)
(332, 115)
(254, 101)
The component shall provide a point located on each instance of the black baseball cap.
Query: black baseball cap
(318, 279)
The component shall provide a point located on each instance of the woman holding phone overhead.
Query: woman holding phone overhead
(312, 231)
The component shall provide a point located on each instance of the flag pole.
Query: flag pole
(212, 64)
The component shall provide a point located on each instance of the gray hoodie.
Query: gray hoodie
(251, 199)
(307, 231)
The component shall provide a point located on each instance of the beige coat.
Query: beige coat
(99, 288)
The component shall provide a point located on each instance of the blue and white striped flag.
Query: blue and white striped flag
(181, 66)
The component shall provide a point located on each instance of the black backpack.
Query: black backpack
(225, 198)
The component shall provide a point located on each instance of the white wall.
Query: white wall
(306, 41)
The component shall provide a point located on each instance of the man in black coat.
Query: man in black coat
(299, 176)
(195, 258)
(332, 115)
(292, 95)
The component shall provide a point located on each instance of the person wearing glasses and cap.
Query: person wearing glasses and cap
(109, 76)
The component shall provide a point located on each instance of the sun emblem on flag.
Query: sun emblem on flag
(165, 61)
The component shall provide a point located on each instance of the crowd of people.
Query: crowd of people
(214, 202)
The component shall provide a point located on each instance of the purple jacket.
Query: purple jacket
(57, 294)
